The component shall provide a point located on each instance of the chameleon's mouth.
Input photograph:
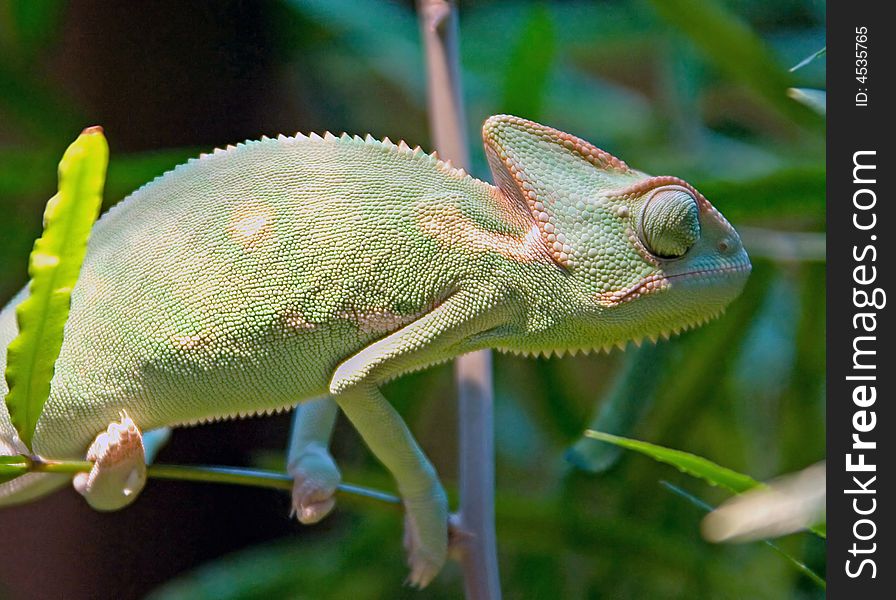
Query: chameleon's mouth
(661, 281)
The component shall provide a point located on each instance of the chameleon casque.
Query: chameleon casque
(309, 270)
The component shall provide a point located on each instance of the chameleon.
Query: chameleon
(309, 270)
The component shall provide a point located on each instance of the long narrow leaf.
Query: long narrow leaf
(729, 43)
(54, 266)
(631, 395)
(817, 100)
(685, 461)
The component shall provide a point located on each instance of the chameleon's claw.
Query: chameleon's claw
(119, 467)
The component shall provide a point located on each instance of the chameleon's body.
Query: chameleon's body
(290, 269)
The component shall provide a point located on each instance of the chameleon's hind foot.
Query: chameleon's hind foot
(119, 467)
(426, 537)
(315, 479)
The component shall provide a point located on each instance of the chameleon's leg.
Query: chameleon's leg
(119, 469)
(426, 506)
(436, 336)
(315, 475)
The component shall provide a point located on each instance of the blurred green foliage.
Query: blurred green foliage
(692, 88)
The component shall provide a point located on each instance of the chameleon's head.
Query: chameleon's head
(649, 255)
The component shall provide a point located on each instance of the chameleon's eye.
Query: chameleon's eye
(670, 222)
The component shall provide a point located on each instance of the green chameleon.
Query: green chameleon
(311, 270)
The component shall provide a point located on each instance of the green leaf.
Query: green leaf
(684, 461)
(691, 464)
(789, 193)
(54, 266)
(13, 466)
(631, 395)
(735, 49)
(529, 65)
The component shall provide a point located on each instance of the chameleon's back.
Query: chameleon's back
(237, 282)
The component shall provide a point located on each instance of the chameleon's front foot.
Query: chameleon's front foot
(426, 536)
(315, 479)
(119, 467)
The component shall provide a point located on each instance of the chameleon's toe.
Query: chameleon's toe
(119, 467)
(315, 479)
(426, 539)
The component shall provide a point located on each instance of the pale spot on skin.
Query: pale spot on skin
(91, 285)
(377, 321)
(454, 229)
(296, 322)
(188, 342)
(251, 223)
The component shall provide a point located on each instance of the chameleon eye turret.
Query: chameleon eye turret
(669, 222)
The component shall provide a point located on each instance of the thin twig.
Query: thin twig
(210, 474)
(475, 519)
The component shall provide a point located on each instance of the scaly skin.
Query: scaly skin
(279, 271)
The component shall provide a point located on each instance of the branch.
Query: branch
(475, 519)
(15, 466)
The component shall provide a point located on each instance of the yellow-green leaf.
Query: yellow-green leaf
(13, 466)
(54, 267)
(691, 464)
(685, 461)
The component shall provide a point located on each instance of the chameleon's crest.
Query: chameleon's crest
(554, 174)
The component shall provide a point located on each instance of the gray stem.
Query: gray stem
(475, 520)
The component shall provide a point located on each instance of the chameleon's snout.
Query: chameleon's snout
(722, 247)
